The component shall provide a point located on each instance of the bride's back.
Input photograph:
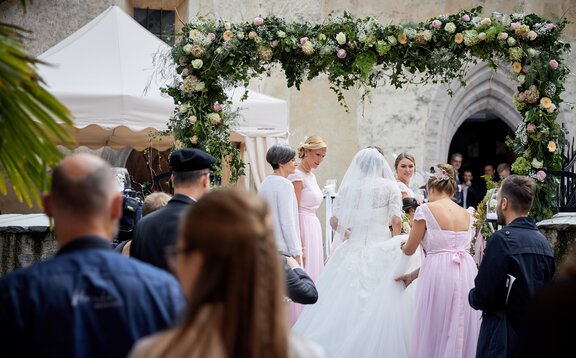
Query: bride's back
(368, 196)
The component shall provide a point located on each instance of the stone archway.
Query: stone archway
(486, 90)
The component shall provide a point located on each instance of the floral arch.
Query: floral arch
(212, 55)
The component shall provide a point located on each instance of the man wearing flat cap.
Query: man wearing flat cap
(191, 179)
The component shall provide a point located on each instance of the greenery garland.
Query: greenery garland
(212, 55)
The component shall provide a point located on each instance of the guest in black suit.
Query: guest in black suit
(299, 286)
(471, 193)
(456, 162)
(518, 261)
(191, 180)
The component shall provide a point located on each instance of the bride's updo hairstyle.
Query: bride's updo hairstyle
(311, 143)
(442, 179)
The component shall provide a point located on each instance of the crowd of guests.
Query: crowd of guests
(223, 273)
(471, 191)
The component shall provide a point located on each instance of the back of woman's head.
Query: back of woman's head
(311, 143)
(279, 154)
(409, 203)
(370, 163)
(442, 179)
(241, 272)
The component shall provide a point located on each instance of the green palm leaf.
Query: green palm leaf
(31, 120)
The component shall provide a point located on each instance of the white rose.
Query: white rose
(511, 41)
(551, 108)
(482, 36)
(281, 34)
(308, 48)
(521, 79)
(537, 164)
(240, 35)
(502, 36)
(341, 38)
(427, 35)
(214, 118)
(192, 119)
(532, 35)
(392, 40)
(200, 86)
(227, 26)
(450, 28)
(187, 48)
(197, 63)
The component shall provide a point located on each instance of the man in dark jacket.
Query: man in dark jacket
(517, 262)
(87, 301)
(156, 231)
(299, 286)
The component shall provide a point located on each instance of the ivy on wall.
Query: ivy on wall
(212, 55)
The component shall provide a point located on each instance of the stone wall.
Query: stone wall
(23, 247)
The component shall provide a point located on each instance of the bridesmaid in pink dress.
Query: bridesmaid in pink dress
(444, 324)
(309, 196)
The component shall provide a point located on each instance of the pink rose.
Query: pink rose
(341, 54)
(515, 25)
(522, 96)
(274, 43)
(525, 68)
(303, 40)
(531, 128)
(553, 64)
(351, 45)
(217, 107)
(550, 26)
(465, 17)
(185, 72)
(436, 23)
(212, 36)
(258, 21)
(541, 175)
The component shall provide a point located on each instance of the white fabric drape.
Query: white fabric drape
(257, 143)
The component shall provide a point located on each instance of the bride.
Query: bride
(362, 311)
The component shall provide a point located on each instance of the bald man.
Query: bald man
(87, 301)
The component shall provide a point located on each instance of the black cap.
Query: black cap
(189, 159)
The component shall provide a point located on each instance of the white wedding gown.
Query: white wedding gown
(362, 311)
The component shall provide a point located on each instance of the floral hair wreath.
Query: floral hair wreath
(439, 173)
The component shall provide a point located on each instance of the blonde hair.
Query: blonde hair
(241, 274)
(401, 156)
(311, 143)
(443, 179)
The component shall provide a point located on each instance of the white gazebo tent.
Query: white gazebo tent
(105, 73)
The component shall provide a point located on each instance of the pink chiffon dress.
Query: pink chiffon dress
(310, 231)
(445, 326)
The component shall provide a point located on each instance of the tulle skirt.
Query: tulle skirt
(362, 311)
(444, 324)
